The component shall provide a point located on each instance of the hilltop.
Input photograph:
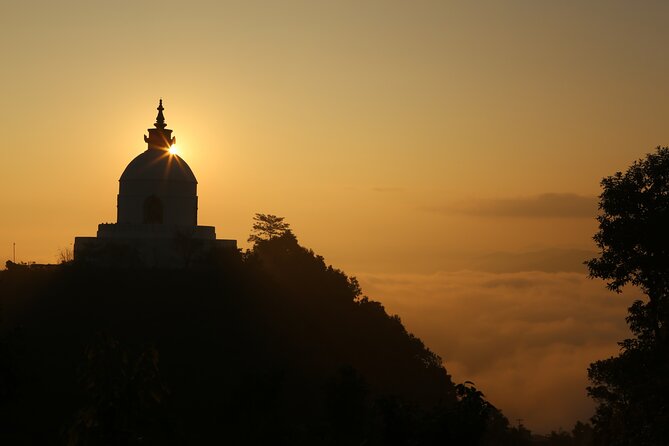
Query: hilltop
(270, 346)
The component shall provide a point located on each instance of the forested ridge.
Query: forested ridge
(270, 346)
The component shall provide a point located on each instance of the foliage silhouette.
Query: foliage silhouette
(125, 397)
(267, 227)
(632, 390)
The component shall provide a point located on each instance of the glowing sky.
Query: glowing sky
(402, 140)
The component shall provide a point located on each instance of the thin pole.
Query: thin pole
(14, 254)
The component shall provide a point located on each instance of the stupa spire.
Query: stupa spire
(159, 136)
(160, 119)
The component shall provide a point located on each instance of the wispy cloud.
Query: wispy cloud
(526, 339)
(550, 205)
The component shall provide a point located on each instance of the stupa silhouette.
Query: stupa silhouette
(156, 213)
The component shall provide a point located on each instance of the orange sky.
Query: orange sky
(400, 139)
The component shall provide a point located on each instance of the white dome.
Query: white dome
(158, 187)
(157, 164)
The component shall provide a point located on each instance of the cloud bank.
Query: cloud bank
(549, 260)
(550, 205)
(525, 339)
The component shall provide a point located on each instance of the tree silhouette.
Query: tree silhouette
(582, 434)
(631, 389)
(267, 227)
(65, 255)
(633, 234)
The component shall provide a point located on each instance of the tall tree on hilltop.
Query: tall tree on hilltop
(267, 227)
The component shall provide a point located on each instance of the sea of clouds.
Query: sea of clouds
(524, 338)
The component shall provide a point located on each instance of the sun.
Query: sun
(173, 149)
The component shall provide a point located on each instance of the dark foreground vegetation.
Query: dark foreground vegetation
(267, 347)
(273, 346)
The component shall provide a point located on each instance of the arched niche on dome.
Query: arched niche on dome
(153, 210)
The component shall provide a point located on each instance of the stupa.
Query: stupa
(156, 213)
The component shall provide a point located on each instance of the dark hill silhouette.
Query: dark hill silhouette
(271, 346)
